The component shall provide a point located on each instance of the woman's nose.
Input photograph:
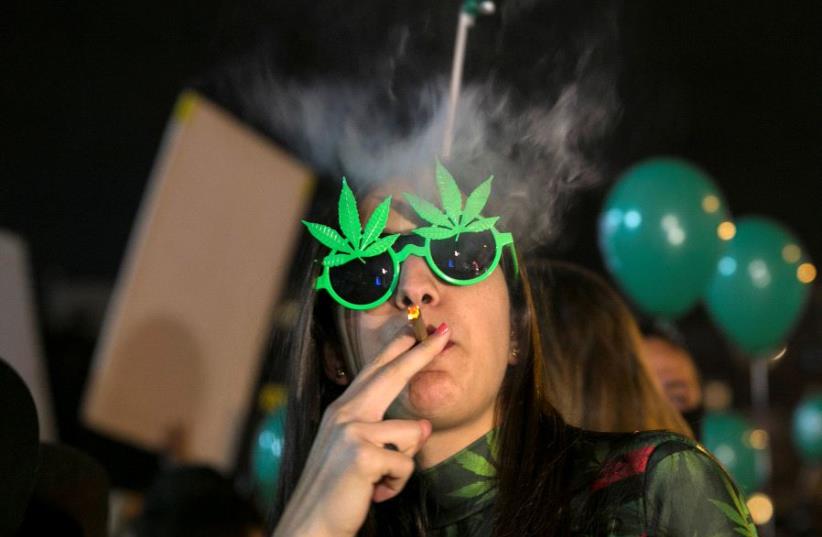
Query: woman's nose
(417, 285)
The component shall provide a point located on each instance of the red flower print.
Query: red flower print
(631, 463)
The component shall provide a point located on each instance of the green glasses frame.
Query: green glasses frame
(357, 243)
(501, 241)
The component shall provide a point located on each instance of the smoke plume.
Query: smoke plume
(539, 101)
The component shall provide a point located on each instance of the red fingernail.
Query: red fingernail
(441, 329)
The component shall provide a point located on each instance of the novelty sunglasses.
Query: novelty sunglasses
(461, 247)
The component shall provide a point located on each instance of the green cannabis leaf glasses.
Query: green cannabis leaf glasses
(460, 245)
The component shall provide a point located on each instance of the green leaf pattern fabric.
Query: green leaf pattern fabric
(461, 490)
(623, 485)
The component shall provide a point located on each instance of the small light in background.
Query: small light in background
(726, 230)
(487, 7)
(725, 454)
(673, 230)
(271, 397)
(717, 395)
(778, 356)
(632, 219)
(806, 273)
(758, 439)
(710, 203)
(761, 508)
(727, 266)
(791, 253)
(759, 273)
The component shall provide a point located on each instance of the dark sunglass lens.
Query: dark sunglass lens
(363, 283)
(466, 258)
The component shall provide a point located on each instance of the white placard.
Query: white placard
(184, 335)
(20, 342)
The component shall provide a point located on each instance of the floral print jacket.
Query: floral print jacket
(638, 485)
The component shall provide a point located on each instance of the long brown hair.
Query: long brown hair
(596, 375)
(533, 439)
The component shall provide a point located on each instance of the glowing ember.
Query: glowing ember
(413, 312)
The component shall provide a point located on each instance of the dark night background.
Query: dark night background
(87, 88)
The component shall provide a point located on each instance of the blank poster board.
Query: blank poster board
(19, 329)
(185, 332)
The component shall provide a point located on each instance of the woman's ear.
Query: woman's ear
(334, 367)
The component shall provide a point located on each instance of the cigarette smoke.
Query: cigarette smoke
(538, 103)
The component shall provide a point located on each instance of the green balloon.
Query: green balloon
(755, 295)
(658, 233)
(266, 455)
(807, 428)
(727, 436)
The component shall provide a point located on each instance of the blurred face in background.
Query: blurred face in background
(675, 371)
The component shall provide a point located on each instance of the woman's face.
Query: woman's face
(461, 384)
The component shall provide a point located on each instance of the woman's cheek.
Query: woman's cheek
(371, 337)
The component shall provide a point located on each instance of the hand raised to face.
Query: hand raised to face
(349, 464)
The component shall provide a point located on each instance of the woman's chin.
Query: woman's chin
(430, 395)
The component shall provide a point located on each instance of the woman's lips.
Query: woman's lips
(436, 365)
(431, 329)
(448, 345)
(442, 352)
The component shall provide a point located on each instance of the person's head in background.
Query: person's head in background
(598, 378)
(195, 501)
(674, 369)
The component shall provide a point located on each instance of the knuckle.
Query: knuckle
(338, 413)
(348, 433)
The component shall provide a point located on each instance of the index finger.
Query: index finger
(387, 382)
(402, 341)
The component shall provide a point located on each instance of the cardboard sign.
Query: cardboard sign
(184, 335)
(19, 334)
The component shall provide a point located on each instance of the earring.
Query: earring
(340, 373)
(514, 346)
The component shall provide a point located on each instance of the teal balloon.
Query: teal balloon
(755, 295)
(266, 456)
(807, 428)
(658, 233)
(727, 436)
